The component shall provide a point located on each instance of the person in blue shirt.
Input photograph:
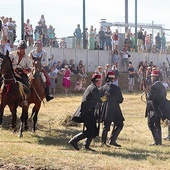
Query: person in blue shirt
(77, 33)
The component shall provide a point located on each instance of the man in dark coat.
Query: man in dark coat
(111, 110)
(90, 100)
(156, 107)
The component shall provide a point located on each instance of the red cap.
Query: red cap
(155, 73)
(111, 74)
(96, 77)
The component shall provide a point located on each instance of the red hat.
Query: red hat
(110, 74)
(155, 73)
(96, 77)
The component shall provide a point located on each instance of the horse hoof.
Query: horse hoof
(20, 135)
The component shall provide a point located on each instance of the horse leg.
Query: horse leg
(35, 111)
(14, 119)
(23, 119)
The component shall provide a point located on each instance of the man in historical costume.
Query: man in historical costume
(90, 101)
(157, 107)
(39, 52)
(111, 112)
(22, 65)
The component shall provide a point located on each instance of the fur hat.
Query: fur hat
(38, 42)
(22, 45)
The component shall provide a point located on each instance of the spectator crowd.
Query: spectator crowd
(104, 39)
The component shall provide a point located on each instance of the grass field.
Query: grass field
(48, 148)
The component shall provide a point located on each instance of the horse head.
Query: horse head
(37, 66)
(5, 64)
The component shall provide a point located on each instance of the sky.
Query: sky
(64, 15)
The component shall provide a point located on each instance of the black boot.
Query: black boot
(86, 144)
(114, 136)
(160, 137)
(48, 95)
(76, 139)
(104, 138)
(156, 137)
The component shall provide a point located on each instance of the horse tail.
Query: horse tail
(21, 89)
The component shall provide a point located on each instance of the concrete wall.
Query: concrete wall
(93, 58)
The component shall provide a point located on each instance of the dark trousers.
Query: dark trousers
(90, 126)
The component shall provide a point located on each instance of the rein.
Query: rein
(8, 85)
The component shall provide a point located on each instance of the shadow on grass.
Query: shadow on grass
(60, 138)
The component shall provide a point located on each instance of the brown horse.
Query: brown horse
(37, 94)
(11, 90)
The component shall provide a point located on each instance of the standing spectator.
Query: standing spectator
(42, 20)
(127, 39)
(131, 77)
(30, 36)
(77, 33)
(112, 112)
(125, 54)
(101, 38)
(66, 79)
(26, 30)
(90, 100)
(6, 47)
(108, 34)
(50, 35)
(163, 43)
(38, 31)
(158, 42)
(115, 39)
(133, 48)
(4, 31)
(86, 38)
(11, 29)
(140, 39)
(53, 77)
(115, 56)
(91, 45)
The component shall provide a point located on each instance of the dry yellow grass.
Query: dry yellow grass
(48, 148)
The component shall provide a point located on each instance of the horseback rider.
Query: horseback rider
(22, 65)
(39, 52)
